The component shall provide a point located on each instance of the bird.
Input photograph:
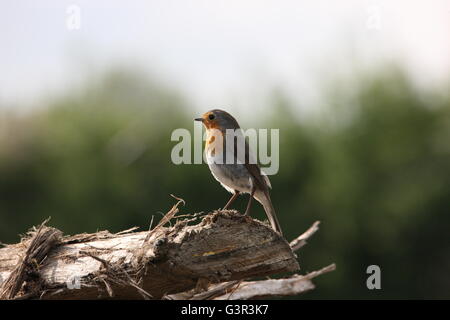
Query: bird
(233, 164)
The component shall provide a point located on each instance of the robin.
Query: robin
(233, 164)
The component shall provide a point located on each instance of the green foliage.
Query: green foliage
(375, 169)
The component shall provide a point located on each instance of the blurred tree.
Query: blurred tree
(374, 168)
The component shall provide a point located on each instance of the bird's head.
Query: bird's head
(218, 119)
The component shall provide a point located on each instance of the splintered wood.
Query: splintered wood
(180, 261)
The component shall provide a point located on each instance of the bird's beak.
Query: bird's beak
(199, 119)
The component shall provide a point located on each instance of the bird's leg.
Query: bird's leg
(233, 197)
(247, 211)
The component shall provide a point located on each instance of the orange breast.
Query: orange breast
(212, 146)
(211, 124)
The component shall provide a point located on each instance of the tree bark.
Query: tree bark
(206, 260)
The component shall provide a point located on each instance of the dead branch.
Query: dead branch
(294, 285)
(208, 260)
(300, 241)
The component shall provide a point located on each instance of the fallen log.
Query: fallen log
(206, 260)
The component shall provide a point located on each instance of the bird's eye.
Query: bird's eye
(211, 117)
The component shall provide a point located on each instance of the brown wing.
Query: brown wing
(254, 170)
(261, 182)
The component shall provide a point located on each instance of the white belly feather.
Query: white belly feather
(231, 176)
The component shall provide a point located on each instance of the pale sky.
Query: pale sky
(217, 52)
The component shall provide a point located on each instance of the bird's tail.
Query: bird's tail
(264, 199)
